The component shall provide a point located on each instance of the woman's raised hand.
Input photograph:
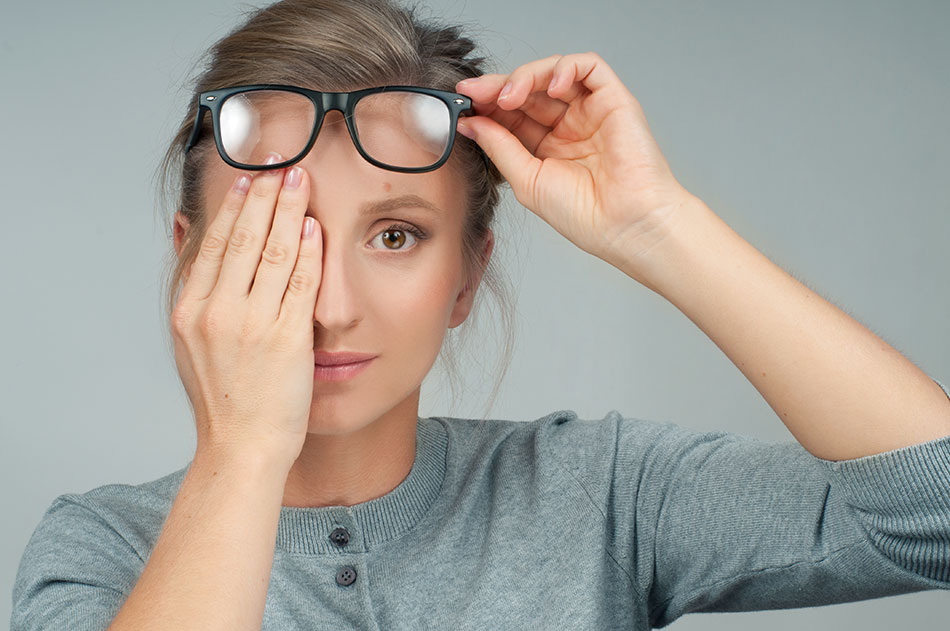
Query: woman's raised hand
(243, 323)
(575, 147)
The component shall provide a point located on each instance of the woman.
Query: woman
(321, 500)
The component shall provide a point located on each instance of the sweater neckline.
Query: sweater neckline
(306, 530)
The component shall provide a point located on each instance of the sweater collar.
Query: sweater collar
(306, 530)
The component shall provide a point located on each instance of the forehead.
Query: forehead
(361, 189)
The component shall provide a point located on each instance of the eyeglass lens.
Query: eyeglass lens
(397, 128)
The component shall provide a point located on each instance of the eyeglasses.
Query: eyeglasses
(401, 128)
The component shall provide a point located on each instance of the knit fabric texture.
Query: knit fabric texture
(556, 523)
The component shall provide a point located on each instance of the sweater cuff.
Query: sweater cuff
(910, 480)
(903, 496)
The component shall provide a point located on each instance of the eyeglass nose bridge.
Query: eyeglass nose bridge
(327, 102)
(334, 101)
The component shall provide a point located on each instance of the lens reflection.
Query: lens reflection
(253, 124)
(404, 129)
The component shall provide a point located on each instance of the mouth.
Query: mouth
(340, 358)
(340, 371)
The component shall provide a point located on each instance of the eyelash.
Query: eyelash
(418, 234)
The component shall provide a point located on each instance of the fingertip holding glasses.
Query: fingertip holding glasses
(409, 129)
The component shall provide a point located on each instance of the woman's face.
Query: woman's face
(377, 295)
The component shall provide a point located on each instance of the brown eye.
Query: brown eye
(394, 237)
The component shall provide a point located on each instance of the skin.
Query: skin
(575, 147)
(394, 302)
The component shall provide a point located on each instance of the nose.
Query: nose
(337, 303)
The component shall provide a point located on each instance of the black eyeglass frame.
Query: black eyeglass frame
(345, 102)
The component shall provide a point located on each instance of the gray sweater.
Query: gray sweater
(556, 523)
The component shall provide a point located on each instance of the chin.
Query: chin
(324, 425)
(329, 421)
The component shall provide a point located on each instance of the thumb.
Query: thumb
(518, 165)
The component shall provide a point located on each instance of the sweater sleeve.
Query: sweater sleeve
(720, 522)
(75, 572)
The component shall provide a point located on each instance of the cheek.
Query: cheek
(425, 296)
(417, 297)
(412, 307)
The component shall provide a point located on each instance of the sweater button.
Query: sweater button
(346, 575)
(340, 537)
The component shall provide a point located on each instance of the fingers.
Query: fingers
(280, 254)
(533, 100)
(296, 310)
(530, 123)
(204, 271)
(564, 77)
(525, 129)
(243, 254)
(518, 165)
(485, 92)
(544, 90)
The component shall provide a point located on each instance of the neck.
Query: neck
(344, 469)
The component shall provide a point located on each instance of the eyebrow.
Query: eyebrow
(386, 205)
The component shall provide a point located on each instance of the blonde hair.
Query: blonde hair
(341, 45)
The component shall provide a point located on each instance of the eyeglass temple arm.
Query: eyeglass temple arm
(196, 128)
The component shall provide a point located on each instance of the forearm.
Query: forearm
(211, 565)
(841, 390)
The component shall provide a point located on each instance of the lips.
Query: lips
(326, 358)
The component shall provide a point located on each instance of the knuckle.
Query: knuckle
(575, 58)
(275, 253)
(289, 201)
(262, 189)
(208, 324)
(181, 318)
(212, 322)
(241, 239)
(232, 206)
(301, 282)
(518, 122)
(212, 246)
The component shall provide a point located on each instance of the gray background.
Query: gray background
(817, 130)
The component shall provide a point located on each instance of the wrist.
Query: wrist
(251, 460)
(658, 248)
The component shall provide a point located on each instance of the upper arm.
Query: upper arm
(720, 522)
(75, 572)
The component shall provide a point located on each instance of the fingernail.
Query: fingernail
(504, 91)
(553, 81)
(242, 183)
(292, 178)
(308, 227)
(466, 130)
(273, 158)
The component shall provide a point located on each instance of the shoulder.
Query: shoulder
(603, 456)
(558, 424)
(560, 446)
(558, 433)
(133, 513)
(90, 548)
